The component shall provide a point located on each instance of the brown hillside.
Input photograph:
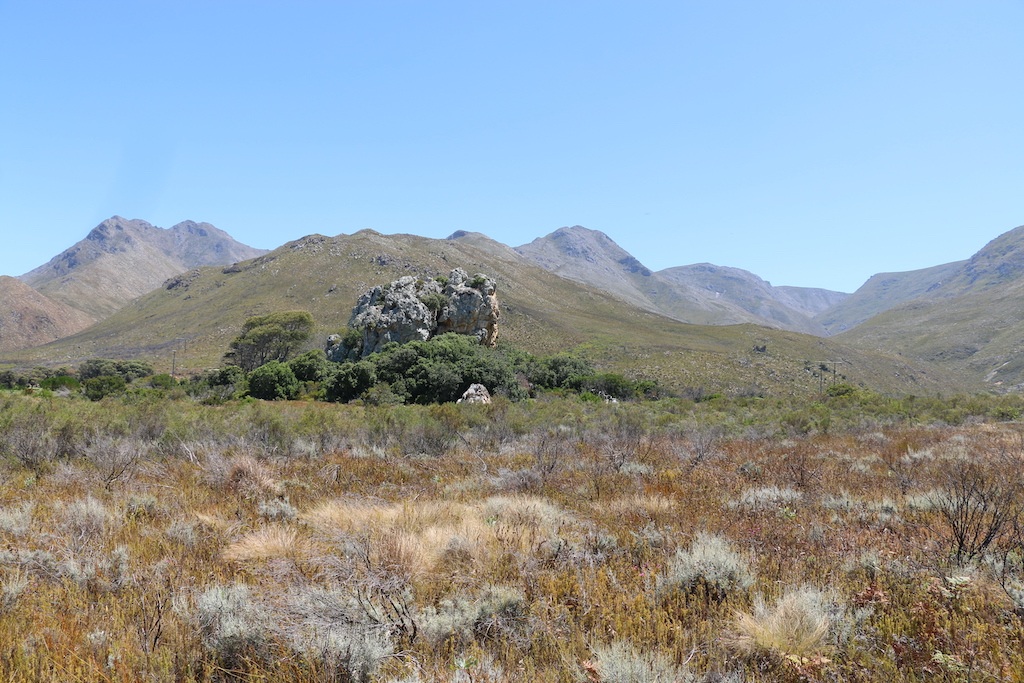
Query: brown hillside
(27, 318)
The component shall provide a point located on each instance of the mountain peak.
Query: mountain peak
(122, 259)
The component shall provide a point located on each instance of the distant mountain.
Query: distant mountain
(789, 308)
(882, 292)
(967, 316)
(27, 318)
(122, 259)
(196, 313)
(703, 294)
(811, 300)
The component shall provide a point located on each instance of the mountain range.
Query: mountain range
(130, 289)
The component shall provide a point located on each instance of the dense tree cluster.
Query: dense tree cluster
(267, 338)
(262, 364)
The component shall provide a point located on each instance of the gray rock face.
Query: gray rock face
(477, 393)
(409, 310)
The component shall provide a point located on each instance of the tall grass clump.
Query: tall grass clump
(797, 624)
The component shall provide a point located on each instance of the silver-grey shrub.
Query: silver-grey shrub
(497, 612)
(16, 519)
(710, 561)
(766, 498)
(233, 627)
(620, 662)
(349, 652)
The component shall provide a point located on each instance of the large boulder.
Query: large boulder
(409, 310)
(477, 393)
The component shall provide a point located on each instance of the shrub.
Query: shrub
(621, 662)
(232, 627)
(710, 562)
(434, 302)
(350, 380)
(128, 370)
(982, 505)
(272, 337)
(766, 498)
(61, 382)
(162, 381)
(86, 517)
(273, 381)
(498, 612)
(16, 519)
(100, 387)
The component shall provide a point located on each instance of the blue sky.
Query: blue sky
(813, 143)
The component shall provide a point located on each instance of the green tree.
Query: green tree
(311, 366)
(272, 337)
(273, 381)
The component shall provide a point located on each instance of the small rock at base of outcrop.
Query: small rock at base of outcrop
(409, 310)
(477, 393)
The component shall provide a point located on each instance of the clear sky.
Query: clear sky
(813, 143)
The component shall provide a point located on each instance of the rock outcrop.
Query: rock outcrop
(415, 310)
(477, 393)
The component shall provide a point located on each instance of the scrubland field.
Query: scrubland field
(855, 538)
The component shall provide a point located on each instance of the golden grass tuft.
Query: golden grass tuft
(265, 544)
(413, 539)
(797, 624)
(645, 505)
(248, 476)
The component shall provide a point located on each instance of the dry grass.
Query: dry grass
(249, 477)
(797, 624)
(265, 544)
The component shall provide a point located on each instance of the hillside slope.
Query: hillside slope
(882, 292)
(969, 319)
(122, 259)
(27, 318)
(195, 315)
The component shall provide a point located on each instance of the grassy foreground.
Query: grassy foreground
(847, 539)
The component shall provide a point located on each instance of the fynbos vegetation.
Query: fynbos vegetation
(152, 536)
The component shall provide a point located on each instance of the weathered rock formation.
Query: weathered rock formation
(415, 310)
(477, 393)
